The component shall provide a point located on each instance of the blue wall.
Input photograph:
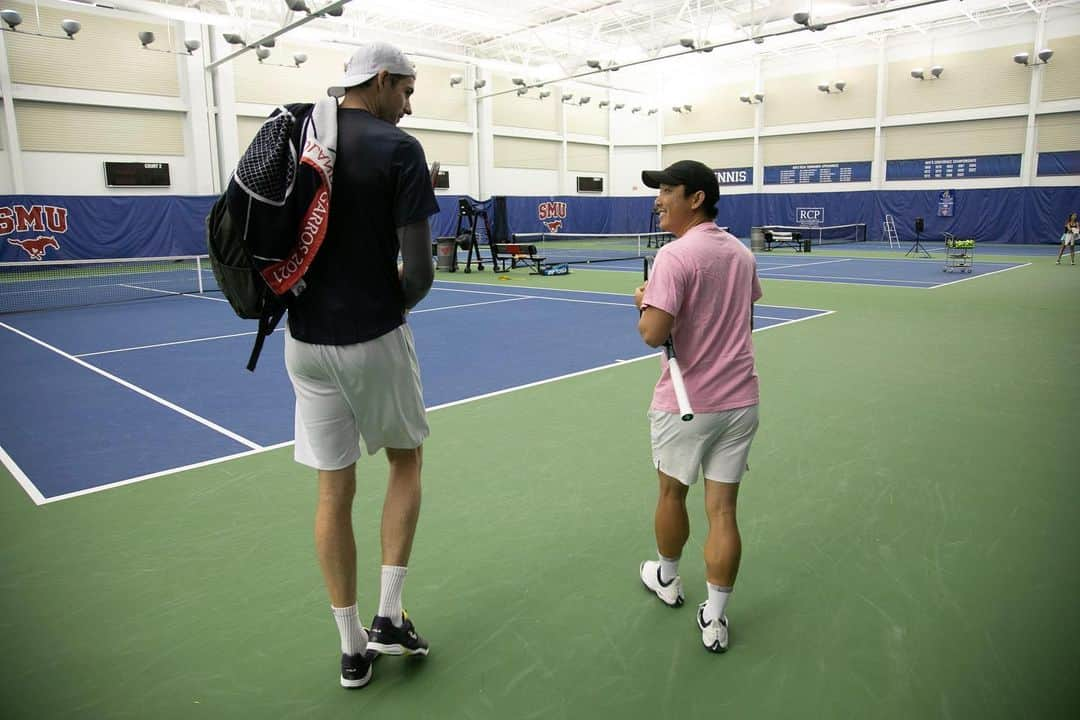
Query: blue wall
(81, 227)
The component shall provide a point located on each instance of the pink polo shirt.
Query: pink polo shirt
(707, 280)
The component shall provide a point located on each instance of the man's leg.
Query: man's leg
(392, 631)
(1061, 252)
(723, 545)
(672, 527)
(336, 547)
(334, 541)
(671, 522)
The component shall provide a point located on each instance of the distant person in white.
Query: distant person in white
(1069, 238)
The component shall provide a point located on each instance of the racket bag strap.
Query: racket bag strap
(271, 316)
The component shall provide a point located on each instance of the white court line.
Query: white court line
(135, 388)
(167, 344)
(196, 295)
(253, 332)
(467, 305)
(504, 391)
(976, 277)
(519, 296)
(160, 473)
(855, 280)
(767, 268)
(22, 478)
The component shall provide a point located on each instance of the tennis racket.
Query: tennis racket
(686, 412)
(435, 166)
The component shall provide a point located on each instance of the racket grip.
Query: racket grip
(685, 411)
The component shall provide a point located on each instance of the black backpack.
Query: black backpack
(266, 228)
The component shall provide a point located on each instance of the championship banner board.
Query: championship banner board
(1059, 163)
(953, 168)
(817, 173)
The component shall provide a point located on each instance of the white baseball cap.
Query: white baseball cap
(367, 62)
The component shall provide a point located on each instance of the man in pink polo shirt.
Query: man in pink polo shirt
(700, 292)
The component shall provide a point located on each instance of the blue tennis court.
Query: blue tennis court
(114, 393)
(927, 273)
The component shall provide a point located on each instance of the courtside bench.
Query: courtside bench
(517, 255)
(785, 238)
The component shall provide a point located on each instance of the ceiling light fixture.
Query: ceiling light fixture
(13, 19)
(456, 80)
(298, 6)
(935, 73)
(652, 111)
(544, 94)
(755, 99)
(146, 38)
(1025, 58)
(603, 103)
(619, 106)
(479, 84)
(803, 18)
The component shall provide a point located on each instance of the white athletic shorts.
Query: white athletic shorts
(346, 394)
(1068, 239)
(716, 444)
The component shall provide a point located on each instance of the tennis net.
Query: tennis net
(825, 234)
(569, 248)
(50, 284)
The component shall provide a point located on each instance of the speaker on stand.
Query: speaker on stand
(917, 247)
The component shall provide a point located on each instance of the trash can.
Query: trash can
(757, 239)
(446, 254)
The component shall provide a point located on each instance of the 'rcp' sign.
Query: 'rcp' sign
(810, 216)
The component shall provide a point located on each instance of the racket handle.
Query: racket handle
(685, 411)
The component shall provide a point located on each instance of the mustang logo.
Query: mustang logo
(36, 247)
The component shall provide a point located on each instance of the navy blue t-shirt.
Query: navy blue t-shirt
(381, 183)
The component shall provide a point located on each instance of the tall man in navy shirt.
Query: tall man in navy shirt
(350, 354)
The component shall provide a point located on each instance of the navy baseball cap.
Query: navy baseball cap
(689, 173)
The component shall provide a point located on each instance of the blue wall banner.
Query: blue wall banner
(48, 227)
(734, 176)
(1059, 163)
(44, 227)
(817, 173)
(945, 203)
(951, 168)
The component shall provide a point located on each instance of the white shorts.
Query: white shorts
(1068, 239)
(346, 394)
(716, 444)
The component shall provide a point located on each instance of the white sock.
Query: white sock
(669, 568)
(353, 636)
(393, 578)
(718, 600)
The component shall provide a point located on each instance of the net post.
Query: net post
(198, 272)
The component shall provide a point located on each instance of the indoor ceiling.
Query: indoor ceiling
(545, 39)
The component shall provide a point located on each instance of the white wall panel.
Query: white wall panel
(587, 159)
(105, 55)
(56, 127)
(46, 173)
(796, 99)
(1061, 77)
(841, 146)
(1059, 132)
(1000, 136)
(715, 153)
(981, 78)
(512, 152)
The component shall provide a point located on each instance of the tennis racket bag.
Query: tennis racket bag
(267, 227)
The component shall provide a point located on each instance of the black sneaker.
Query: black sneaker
(356, 669)
(386, 639)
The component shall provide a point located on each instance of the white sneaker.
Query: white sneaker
(714, 634)
(670, 594)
